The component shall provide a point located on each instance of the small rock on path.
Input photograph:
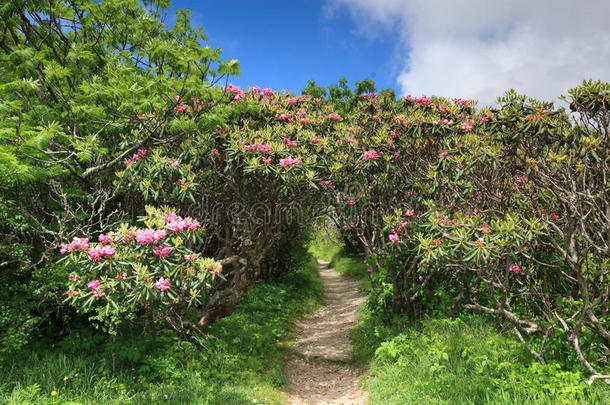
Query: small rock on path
(319, 372)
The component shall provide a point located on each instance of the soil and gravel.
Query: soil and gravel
(320, 369)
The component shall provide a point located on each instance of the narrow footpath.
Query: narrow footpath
(320, 372)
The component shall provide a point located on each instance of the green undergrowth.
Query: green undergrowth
(242, 362)
(462, 361)
(327, 246)
(450, 361)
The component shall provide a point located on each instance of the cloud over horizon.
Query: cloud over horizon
(478, 49)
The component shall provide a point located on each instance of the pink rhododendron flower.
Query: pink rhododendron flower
(289, 161)
(514, 268)
(266, 160)
(264, 148)
(104, 239)
(97, 293)
(350, 202)
(94, 284)
(148, 236)
(214, 152)
(193, 256)
(100, 252)
(162, 251)
(173, 163)
(76, 244)
(163, 284)
(325, 182)
(304, 121)
(292, 101)
(73, 278)
(215, 268)
(334, 116)
(121, 276)
(394, 238)
(290, 143)
(179, 108)
(267, 92)
(178, 99)
(372, 154)
(409, 213)
(141, 116)
(467, 125)
(315, 140)
(301, 112)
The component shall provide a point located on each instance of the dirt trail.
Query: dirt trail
(319, 372)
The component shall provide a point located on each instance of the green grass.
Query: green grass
(444, 361)
(328, 246)
(461, 361)
(243, 361)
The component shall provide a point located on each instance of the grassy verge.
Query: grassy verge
(243, 361)
(445, 361)
(465, 361)
(327, 246)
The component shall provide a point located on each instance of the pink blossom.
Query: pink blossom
(264, 148)
(178, 99)
(140, 154)
(104, 239)
(141, 116)
(215, 268)
(514, 268)
(63, 249)
(301, 112)
(350, 202)
(121, 276)
(97, 293)
(179, 108)
(409, 213)
(73, 278)
(100, 252)
(162, 251)
(372, 154)
(94, 284)
(193, 256)
(315, 140)
(289, 161)
(292, 101)
(267, 92)
(214, 152)
(334, 116)
(173, 163)
(148, 236)
(266, 160)
(467, 125)
(163, 284)
(304, 121)
(325, 182)
(290, 143)
(76, 244)
(394, 238)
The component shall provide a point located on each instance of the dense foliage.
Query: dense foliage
(108, 115)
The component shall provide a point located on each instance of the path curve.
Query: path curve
(320, 371)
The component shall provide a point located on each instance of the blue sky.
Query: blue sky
(473, 49)
(281, 44)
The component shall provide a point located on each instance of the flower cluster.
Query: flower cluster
(140, 154)
(76, 244)
(179, 224)
(162, 251)
(290, 161)
(150, 236)
(100, 252)
(215, 268)
(334, 117)
(163, 284)
(372, 154)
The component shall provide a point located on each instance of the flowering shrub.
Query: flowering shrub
(147, 269)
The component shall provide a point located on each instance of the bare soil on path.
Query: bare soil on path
(319, 371)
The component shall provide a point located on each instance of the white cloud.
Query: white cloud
(480, 48)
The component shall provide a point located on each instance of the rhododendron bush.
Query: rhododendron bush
(503, 210)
